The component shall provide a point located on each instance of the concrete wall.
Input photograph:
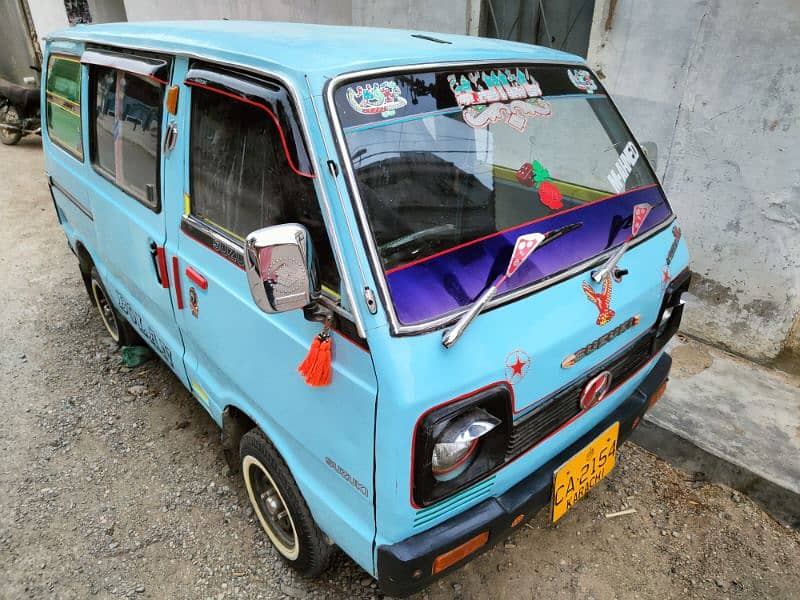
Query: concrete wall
(715, 84)
(445, 16)
(107, 11)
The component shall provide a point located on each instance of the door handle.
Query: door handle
(170, 137)
(159, 259)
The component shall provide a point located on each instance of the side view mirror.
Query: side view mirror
(651, 152)
(281, 268)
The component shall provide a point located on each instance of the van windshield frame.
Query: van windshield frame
(343, 119)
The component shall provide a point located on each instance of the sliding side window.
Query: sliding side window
(63, 106)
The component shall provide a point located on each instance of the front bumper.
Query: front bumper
(407, 566)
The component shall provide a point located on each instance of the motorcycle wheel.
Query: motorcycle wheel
(9, 116)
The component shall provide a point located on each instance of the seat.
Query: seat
(25, 99)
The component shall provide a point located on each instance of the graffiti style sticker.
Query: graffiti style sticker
(582, 80)
(523, 248)
(515, 114)
(483, 96)
(602, 300)
(582, 353)
(666, 277)
(676, 233)
(623, 166)
(376, 98)
(148, 333)
(517, 365)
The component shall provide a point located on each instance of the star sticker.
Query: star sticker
(516, 368)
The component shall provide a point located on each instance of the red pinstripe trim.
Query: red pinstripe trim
(491, 235)
(176, 274)
(266, 109)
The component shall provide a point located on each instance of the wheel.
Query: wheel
(280, 507)
(117, 326)
(9, 116)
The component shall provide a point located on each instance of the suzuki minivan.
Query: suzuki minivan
(422, 282)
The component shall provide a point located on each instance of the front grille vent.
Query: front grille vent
(562, 405)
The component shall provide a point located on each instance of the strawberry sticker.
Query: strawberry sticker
(550, 195)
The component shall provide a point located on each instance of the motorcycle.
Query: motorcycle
(19, 112)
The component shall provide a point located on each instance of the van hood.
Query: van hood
(534, 344)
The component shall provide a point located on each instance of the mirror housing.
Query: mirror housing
(281, 268)
(651, 152)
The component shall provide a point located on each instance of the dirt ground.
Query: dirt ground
(112, 481)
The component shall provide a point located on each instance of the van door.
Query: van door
(247, 168)
(126, 121)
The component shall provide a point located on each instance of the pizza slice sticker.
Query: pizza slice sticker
(523, 248)
(640, 212)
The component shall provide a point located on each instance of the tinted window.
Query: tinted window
(240, 177)
(125, 131)
(63, 110)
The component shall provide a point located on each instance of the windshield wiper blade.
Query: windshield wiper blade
(523, 248)
(640, 212)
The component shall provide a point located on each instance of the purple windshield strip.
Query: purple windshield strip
(453, 280)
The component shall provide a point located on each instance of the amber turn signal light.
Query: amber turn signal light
(458, 553)
(172, 100)
(657, 394)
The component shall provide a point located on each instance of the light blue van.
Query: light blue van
(422, 282)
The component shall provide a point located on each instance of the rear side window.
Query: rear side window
(63, 106)
(241, 179)
(125, 129)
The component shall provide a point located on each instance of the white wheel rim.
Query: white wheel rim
(106, 311)
(292, 552)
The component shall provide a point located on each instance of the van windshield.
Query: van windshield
(453, 165)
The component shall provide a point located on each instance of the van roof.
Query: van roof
(303, 48)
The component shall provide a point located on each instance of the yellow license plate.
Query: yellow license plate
(583, 471)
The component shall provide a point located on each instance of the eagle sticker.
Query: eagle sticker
(602, 300)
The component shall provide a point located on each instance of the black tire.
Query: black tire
(9, 116)
(273, 491)
(116, 325)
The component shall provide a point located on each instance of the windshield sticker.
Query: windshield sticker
(582, 80)
(602, 300)
(517, 365)
(482, 95)
(535, 175)
(380, 98)
(623, 167)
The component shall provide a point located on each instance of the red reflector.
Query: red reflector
(517, 520)
(657, 394)
(458, 553)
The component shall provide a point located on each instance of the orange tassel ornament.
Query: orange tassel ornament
(316, 366)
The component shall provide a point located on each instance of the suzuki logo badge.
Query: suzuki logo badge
(595, 390)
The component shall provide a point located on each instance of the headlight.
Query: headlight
(455, 446)
(460, 442)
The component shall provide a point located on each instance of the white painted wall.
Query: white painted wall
(715, 84)
(48, 16)
(445, 16)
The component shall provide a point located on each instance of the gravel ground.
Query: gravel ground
(112, 481)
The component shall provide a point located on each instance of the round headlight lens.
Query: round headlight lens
(455, 446)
